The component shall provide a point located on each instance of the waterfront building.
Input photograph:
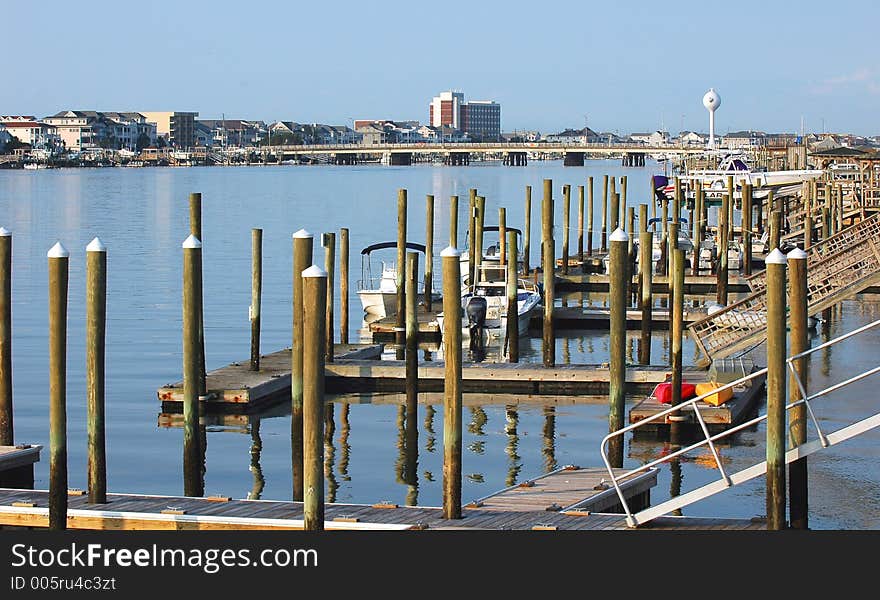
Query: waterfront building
(573, 136)
(692, 138)
(177, 128)
(81, 129)
(478, 119)
(34, 133)
(655, 138)
(521, 136)
(234, 133)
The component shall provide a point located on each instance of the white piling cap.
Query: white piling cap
(775, 258)
(96, 245)
(58, 251)
(796, 254)
(450, 251)
(302, 233)
(192, 242)
(619, 235)
(314, 271)
(4, 232)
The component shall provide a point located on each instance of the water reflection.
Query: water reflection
(548, 447)
(255, 468)
(513, 462)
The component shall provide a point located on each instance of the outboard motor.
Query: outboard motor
(476, 314)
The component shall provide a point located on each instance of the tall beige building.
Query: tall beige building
(178, 128)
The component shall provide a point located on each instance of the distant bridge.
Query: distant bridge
(513, 153)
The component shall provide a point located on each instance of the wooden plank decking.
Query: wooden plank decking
(17, 465)
(236, 387)
(571, 488)
(29, 508)
(732, 412)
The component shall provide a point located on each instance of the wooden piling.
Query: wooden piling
(472, 237)
(776, 396)
(728, 216)
(58, 276)
(747, 229)
(192, 274)
(615, 211)
(589, 218)
(452, 425)
(581, 223)
(604, 238)
(623, 203)
(617, 360)
(314, 284)
(671, 246)
(329, 243)
(6, 413)
(343, 285)
(412, 328)
(664, 236)
(527, 233)
(502, 235)
(800, 342)
(256, 295)
(401, 261)
(775, 229)
(453, 221)
(512, 312)
(429, 251)
(195, 228)
(723, 230)
(566, 208)
(302, 258)
(677, 317)
(548, 266)
(96, 319)
(646, 241)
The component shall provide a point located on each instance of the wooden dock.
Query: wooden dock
(693, 284)
(236, 387)
(17, 465)
(731, 413)
(29, 509)
(516, 378)
(572, 488)
(564, 318)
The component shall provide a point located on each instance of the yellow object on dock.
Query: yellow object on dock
(716, 399)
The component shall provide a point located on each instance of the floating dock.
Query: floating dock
(236, 387)
(17, 465)
(567, 499)
(733, 412)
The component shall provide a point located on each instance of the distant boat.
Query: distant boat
(33, 166)
(484, 305)
(378, 295)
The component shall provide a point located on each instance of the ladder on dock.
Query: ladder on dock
(727, 480)
(838, 268)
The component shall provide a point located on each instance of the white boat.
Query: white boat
(484, 305)
(684, 243)
(32, 166)
(492, 254)
(709, 251)
(379, 294)
(714, 181)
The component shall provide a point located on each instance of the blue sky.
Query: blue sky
(624, 66)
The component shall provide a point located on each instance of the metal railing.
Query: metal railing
(729, 480)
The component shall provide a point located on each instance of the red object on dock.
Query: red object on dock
(663, 392)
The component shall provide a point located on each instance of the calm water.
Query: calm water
(142, 217)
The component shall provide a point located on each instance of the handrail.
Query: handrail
(709, 440)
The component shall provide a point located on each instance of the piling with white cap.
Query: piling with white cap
(452, 427)
(6, 414)
(776, 390)
(800, 342)
(58, 277)
(96, 319)
(193, 484)
(314, 291)
(618, 272)
(302, 257)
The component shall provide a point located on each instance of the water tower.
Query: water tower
(712, 101)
